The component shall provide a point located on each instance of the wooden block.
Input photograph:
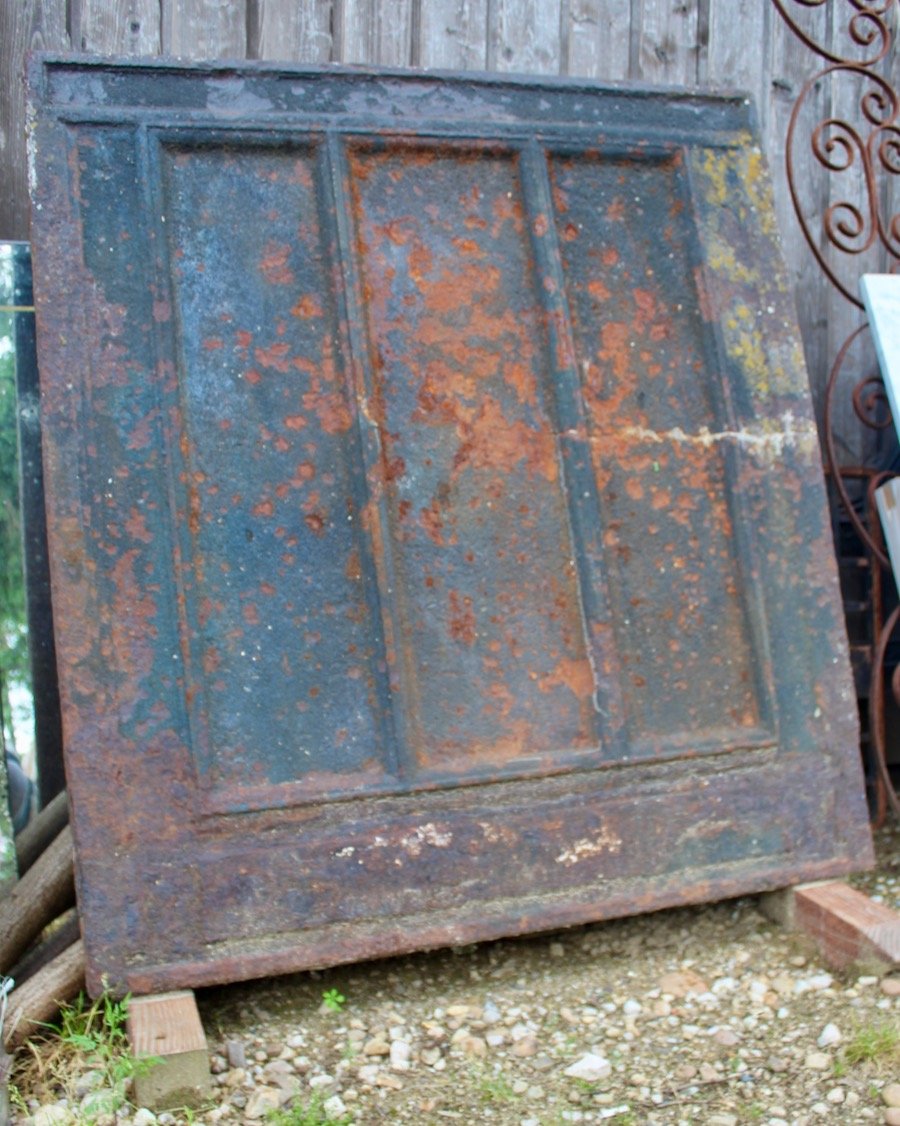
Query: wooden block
(846, 926)
(167, 1026)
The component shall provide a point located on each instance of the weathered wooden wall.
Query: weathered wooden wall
(740, 44)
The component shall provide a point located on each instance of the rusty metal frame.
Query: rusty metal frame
(582, 475)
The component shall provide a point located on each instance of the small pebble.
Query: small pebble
(334, 1107)
(829, 1036)
(235, 1053)
(591, 1068)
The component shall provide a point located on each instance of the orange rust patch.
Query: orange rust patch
(305, 471)
(461, 620)
(264, 508)
(707, 309)
(598, 290)
(295, 421)
(433, 523)
(331, 409)
(469, 246)
(491, 441)
(616, 211)
(274, 264)
(275, 356)
(353, 569)
(307, 307)
(132, 619)
(136, 526)
(574, 673)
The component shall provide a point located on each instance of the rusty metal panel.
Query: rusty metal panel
(439, 540)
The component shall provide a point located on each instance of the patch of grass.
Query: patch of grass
(496, 1089)
(311, 1113)
(334, 1000)
(89, 1042)
(872, 1042)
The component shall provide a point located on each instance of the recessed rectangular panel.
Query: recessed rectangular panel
(495, 661)
(662, 448)
(284, 641)
(438, 533)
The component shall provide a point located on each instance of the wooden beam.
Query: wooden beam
(43, 893)
(39, 999)
(167, 1027)
(41, 831)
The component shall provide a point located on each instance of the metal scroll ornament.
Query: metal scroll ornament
(860, 156)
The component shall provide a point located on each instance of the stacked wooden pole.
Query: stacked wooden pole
(40, 939)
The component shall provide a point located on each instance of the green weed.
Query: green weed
(334, 1000)
(90, 1040)
(311, 1113)
(872, 1042)
(496, 1089)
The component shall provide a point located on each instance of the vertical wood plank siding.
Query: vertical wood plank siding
(739, 44)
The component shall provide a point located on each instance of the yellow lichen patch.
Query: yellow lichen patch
(721, 258)
(714, 164)
(759, 189)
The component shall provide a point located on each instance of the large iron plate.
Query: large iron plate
(438, 533)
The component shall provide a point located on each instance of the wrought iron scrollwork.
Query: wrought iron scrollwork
(867, 28)
(865, 150)
(850, 227)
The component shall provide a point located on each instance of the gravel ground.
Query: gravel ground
(708, 1015)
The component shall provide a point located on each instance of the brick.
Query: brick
(847, 927)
